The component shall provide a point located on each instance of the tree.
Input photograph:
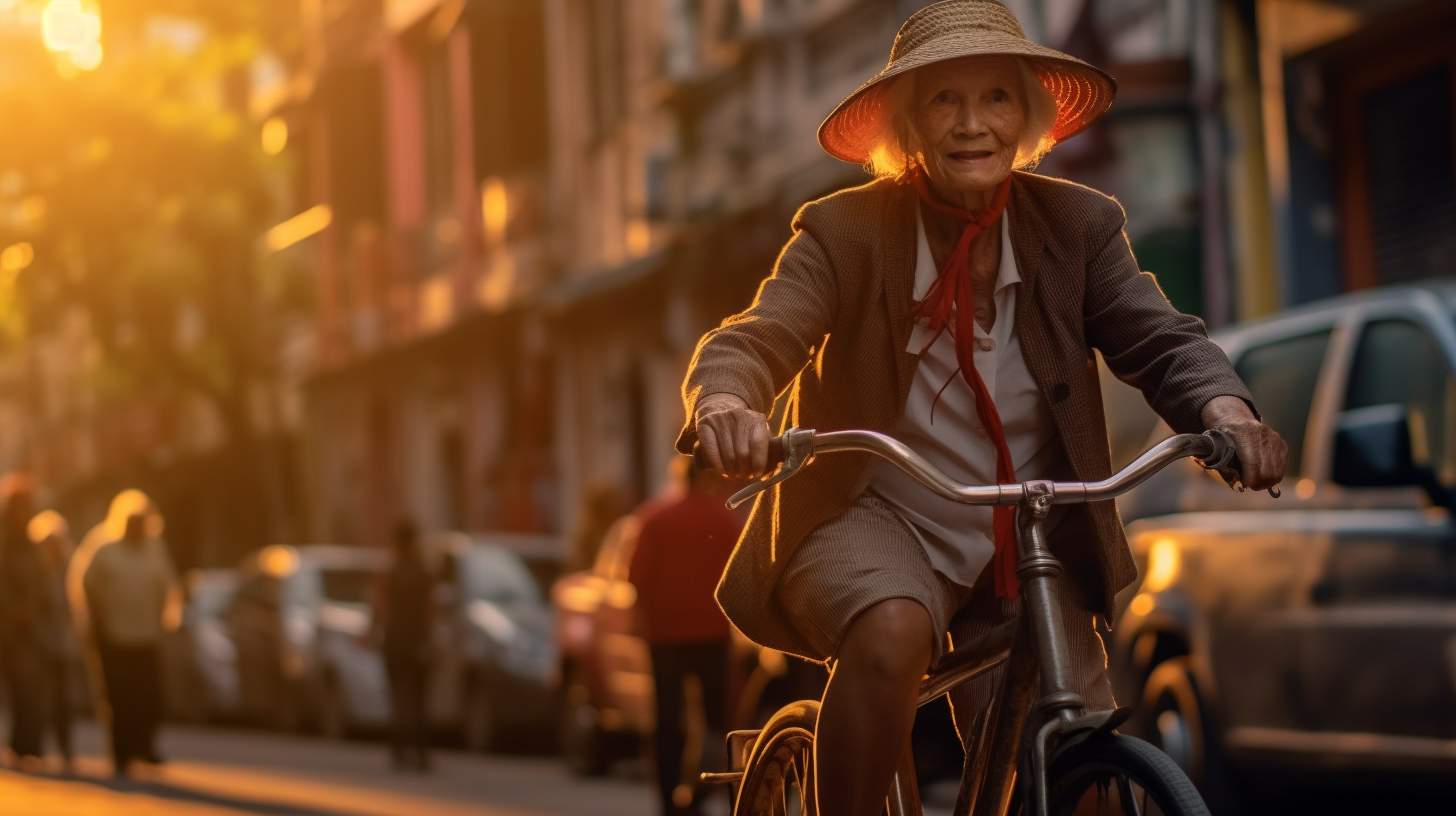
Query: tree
(141, 191)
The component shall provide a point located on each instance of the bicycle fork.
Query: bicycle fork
(1037, 688)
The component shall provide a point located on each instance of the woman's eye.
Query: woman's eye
(942, 97)
(999, 95)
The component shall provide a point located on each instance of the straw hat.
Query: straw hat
(967, 28)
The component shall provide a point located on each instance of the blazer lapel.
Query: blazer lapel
(897, 263)
(1029, 242)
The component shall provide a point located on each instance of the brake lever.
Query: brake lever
(798, 446)
(1224, 446)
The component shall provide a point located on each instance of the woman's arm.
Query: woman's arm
(1185, 377)
(740, 367)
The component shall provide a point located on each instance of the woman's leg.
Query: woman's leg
(869, 706)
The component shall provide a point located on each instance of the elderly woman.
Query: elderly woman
(953, 303)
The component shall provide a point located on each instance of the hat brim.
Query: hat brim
(1082, 92)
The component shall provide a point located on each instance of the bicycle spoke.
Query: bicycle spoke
(1129, 799)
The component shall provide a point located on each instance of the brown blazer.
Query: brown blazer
(833, 321)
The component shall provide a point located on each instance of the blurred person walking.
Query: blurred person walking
(404, 613)
(682, 548)
(22, 612)
(132, 596)
(51, 536)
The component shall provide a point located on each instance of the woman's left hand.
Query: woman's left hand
(1262, 452)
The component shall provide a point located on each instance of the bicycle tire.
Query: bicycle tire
(1108, 769)
(781, 760)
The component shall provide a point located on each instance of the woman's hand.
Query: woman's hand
(734, 437)
(1262, 451)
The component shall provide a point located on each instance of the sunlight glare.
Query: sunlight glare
(311, 221)
(275, 135)
(495, 210)
(16, 257)
(67, 26)
(88, 56)
(1164, 563)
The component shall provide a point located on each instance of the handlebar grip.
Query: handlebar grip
(1224, 456)
(775, 453)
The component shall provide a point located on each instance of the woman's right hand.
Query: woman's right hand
(734, 437)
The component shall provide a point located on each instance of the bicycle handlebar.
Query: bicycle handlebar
(797, 446)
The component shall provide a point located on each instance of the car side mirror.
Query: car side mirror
(1373, 449)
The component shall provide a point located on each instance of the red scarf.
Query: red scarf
(951, 296)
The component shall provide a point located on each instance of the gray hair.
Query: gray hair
(894, 151)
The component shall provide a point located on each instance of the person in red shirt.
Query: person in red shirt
(681, 551)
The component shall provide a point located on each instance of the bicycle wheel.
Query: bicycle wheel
(1120, 775)
(778, 777)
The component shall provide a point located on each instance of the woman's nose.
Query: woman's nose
(969, 122)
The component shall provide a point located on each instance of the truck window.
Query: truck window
(1398, 363)
(1281, 376)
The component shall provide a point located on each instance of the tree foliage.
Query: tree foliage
(143, 190)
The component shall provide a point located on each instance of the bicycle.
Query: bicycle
(1075, 759)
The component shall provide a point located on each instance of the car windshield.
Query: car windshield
(496, 574)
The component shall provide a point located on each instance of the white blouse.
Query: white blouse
(957, 537)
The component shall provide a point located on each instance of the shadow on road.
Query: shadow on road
(176, 793)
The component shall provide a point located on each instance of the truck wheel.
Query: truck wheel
(1174, 716)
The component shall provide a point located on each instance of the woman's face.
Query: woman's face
(969, 114)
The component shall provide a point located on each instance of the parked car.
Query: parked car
(605, 678)
(299, 620)
(1317, 630)
(200, 658)
(495, 655)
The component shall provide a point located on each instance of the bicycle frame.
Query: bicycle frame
(1037, 685)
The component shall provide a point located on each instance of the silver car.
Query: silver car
(1319, 629)
(300, 621)
(495, 649)
(200, 658)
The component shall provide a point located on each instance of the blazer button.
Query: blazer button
(986, 343)
(1060, 391)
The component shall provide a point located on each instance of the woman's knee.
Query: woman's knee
(893, 639)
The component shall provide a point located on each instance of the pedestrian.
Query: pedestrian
(404, 615)
(22, 601)
(682, 547)
(132, 594)
(51, 536)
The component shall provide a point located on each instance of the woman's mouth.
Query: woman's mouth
(970, 155)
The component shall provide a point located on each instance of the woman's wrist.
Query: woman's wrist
(716, 403)
(1226, 410)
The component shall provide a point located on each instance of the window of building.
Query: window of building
(439, 159)
(508, 89)
(1282, 376)
(1411, 172)
(607, 66)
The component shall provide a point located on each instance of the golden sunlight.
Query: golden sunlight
(495, 210)
(310, 222)
(70, 28)
(16, 257)
(275, 135)
(1164, 563)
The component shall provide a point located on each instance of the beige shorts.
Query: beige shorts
(867, 555)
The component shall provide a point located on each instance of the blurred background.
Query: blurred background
(299, 269)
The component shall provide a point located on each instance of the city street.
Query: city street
(227, 772)
(218, 772)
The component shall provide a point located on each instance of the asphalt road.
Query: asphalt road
(228, 772)
(223, 772)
